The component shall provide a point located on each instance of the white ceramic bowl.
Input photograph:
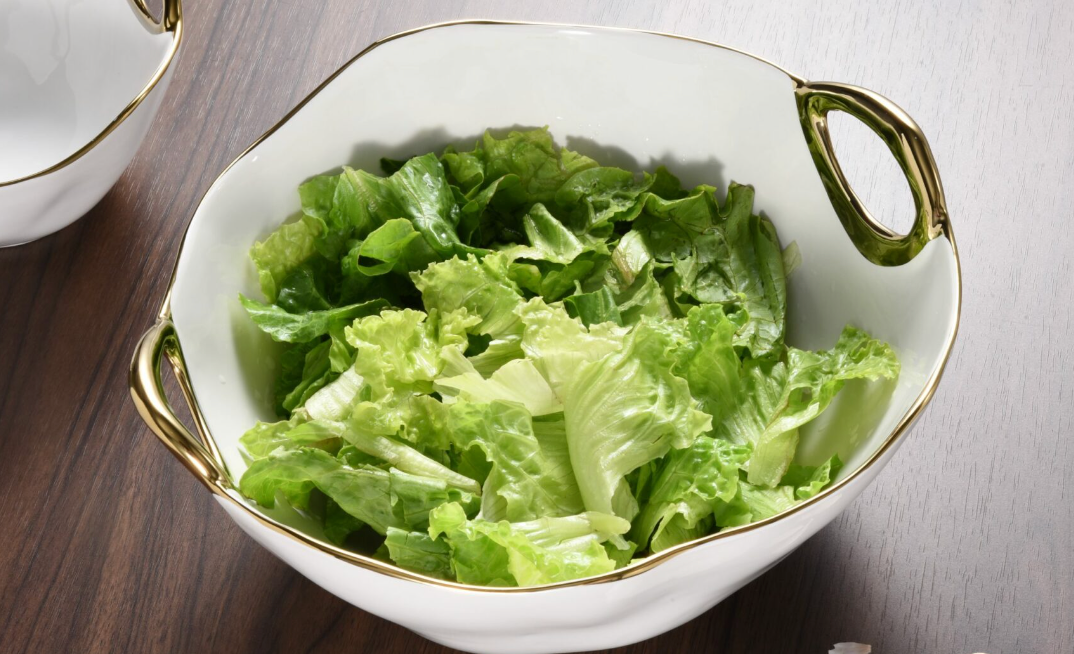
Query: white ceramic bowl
(630, 98)
(80, 83)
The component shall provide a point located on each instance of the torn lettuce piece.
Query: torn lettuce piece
(533, 157)
(499, 352)
(707, 360)
(725, 255)
(400, 351)
(464, 169)
(334, 400)
(687, 488)
(304, 369)
(630, 256)
(310, 286)
(601, 195)
(266, 437)
(776, 398)
(484, 216)
(419, 552)
(418, 191)
(338, 524)
(558, 344)
(529, 553)
(282, 252)
(558, 281)
(755, 503)
(549, 239)
(482, 287)
(625, 410)
(395, 245)
(302, 327)
(594, 308)
(524, 482)
(516, 381)
(403, 456)
(810, 480)
(644, 298)
(377, 497)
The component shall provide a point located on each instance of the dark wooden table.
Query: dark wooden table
(963, 544)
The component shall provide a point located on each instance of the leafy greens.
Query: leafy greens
(513, 366)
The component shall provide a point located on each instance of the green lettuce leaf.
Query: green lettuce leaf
(810, 480)
(499, 352)
(465, 169)
(558, 281)
(486, 217)
(755, 503)
(594, 308)
(516, 381)
(419, 192)
(549, 239)
(395, 245)
(708, 362)
(723, 255)
(687, 488)
(334, 400)
(266, 437)
(604, 194)
(377, 497)
(776, 398)
(644, 298)
(530, 553)
(630, 256)
(404, 457)
(736, 261)
(481, 287)
(523, 482)
(338, 524)
(533, 158)
(400, 351)
(417, 551)
(282, 252)
(558, 344)
(310, 286)
(298, 328)
(304, 369)
(625, 410)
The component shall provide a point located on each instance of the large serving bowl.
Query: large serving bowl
(711, 114)
(80, 83)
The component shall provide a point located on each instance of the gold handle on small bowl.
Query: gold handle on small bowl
(147, 390)
(170, 16)
(911, 150)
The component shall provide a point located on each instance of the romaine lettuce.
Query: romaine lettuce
(513, 366)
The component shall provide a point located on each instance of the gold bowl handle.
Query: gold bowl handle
(907, 143)
(147, 390)
(170, 16)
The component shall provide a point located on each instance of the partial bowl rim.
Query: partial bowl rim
(161, 340)
(171, 21)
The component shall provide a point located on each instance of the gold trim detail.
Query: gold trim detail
(171, 21)
(207, 464)
(147, 391)
(171, 14)
(907, 143)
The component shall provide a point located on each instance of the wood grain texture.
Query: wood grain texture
(964, 544)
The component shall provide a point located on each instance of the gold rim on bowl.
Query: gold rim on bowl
(874, 241)
(171, 21)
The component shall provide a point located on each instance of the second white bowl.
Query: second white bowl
(80, 83)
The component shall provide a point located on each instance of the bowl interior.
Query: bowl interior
(630, 99)
(68, 68)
